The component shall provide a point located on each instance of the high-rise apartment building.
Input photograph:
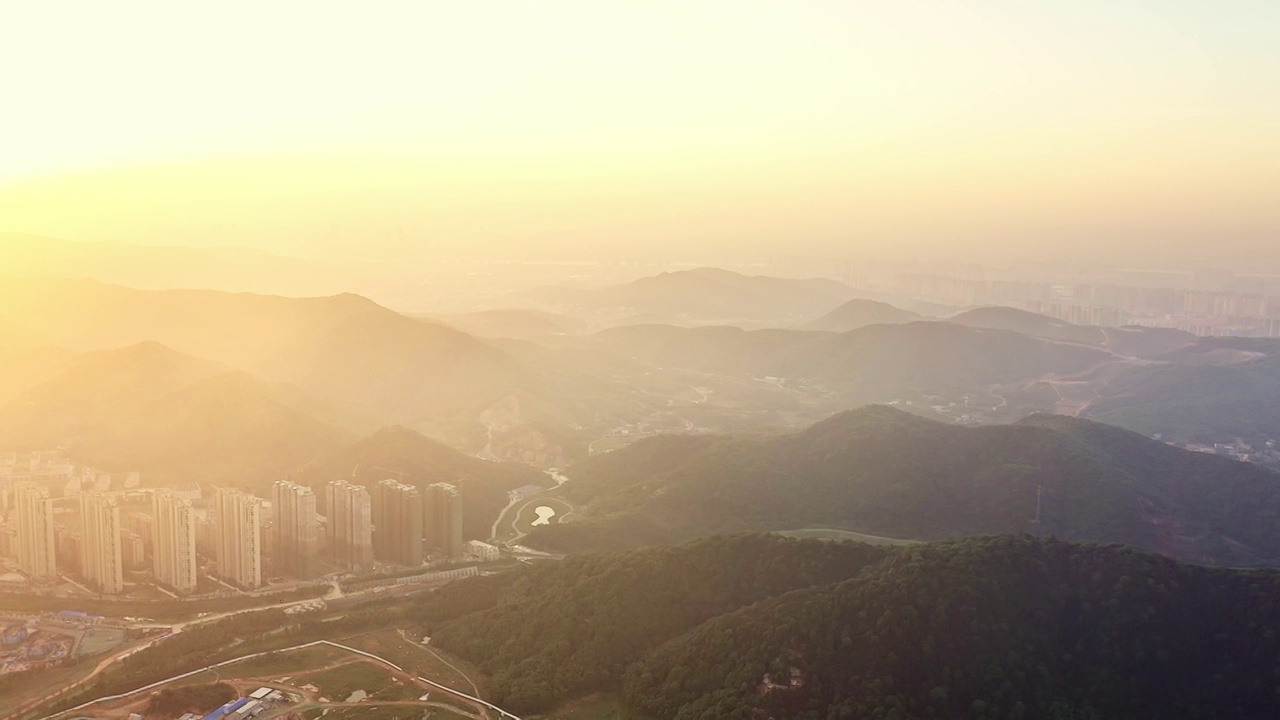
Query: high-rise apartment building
(295, 530)
(443, 519)
(238, 517)
(35, 537)
(173, 544)
(349, 525)
(397, 523)
(102, 554)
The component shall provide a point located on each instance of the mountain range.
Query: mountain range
(402, 454)
(172, 416)
(1129, 341)
(703, 296)
(888, 473)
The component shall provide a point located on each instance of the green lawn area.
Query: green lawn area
(279, 664)
(337, 684)
(417, 661)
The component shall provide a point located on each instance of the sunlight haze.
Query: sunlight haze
(695, 130)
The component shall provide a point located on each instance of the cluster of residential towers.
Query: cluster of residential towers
(391, 523)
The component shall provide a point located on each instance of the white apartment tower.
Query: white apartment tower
(239, 537)
(295, 529)
(36, 551)
(349, 525)
(173, 546)
(102, 553)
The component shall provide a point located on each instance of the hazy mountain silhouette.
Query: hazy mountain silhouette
(343, 348)
(1132, 341)
(701, 296)
(411, 457)
(860, 313)
(512, 323)
(1216, 390)
(875, 362)
(149, 408)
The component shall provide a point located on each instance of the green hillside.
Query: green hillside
(573, 627)
(747, 627)
(986, 628)
(884, 472)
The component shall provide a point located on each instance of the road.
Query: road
(556, 476)
(483, 706)
(474, 688)
(124, 653)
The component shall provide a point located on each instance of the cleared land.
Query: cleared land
(520, 520)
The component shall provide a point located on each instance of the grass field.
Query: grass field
(418, 660)
(280, 664)
(832, 534)
(340, 682)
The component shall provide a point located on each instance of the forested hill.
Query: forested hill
(573, 627)
(987, 628)
(884, 472)
(748, 627)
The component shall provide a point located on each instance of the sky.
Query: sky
(1121, 129)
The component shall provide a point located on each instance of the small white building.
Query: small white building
(482, 551)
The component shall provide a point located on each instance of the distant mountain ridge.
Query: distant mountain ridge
(149, 408)
(344, 347)
(402, 454)
(884, 472)
(858, 313)
(882, 359)
(1132, 341)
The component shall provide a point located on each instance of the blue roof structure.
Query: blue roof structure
(226, 709)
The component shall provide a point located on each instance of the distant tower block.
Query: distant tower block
(443, 521)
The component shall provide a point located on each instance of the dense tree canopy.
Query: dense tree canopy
(575, 626)
(754, 627)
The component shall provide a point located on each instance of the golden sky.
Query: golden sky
(646, 128)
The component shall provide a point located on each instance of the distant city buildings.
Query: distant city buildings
(35, 532)
(443, 520)
(295, 530)
(238, 519)
(349, 525)
(173, 545)
(397, 523)
(102, 554)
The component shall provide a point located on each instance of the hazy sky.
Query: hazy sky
(1108, 127)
